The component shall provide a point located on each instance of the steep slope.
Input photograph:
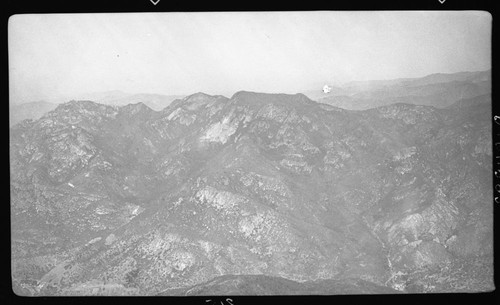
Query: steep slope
(266, 285)
(128, 200)
(35, 110)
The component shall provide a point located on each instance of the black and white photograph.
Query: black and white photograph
(251, 153)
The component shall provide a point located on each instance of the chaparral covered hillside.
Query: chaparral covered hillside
(275, 192)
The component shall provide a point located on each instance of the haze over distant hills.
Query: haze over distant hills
(439, 90)
(119, 98)
(31, 110)
(34, 110)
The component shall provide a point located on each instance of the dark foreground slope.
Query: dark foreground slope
(268, 285)
(127, 200)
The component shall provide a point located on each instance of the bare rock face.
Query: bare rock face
(130, 201)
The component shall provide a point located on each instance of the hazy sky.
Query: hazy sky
(220, 53)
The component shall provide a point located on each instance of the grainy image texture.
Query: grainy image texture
(360, 187)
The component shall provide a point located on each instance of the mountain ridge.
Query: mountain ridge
(439, 90)
(469, 83)
(269, 184)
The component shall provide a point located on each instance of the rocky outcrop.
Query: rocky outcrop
(127, 200)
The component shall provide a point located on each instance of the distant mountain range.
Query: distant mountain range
(438, 90)
(118, 98)
(31, 111)
(34, 110)
(257, 193)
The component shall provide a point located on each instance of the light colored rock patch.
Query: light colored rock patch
(182, 260)
(94, 240)
(110, 239)
(336, 158)
(133, 210)
(296, 165)
(221, 131)
(187, 119)
(36, 156)
(150, 145)
(269, 232)
(430, 253)
(68, 153)
(309, 147)
(437, 222)
(483, 146)
(405, 153)
(214, 109)
(175, 114)
(221, 200)
(249, 226)
(265, 183)
(410, 224)
(273, 112)
(158, 244)
(103, 210)
(209, 248)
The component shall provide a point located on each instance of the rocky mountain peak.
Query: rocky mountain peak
(86, 114)
(264, 184)
(133, 109)
(82, 105)
(256, 98)
(194, 101)
(198, 96)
